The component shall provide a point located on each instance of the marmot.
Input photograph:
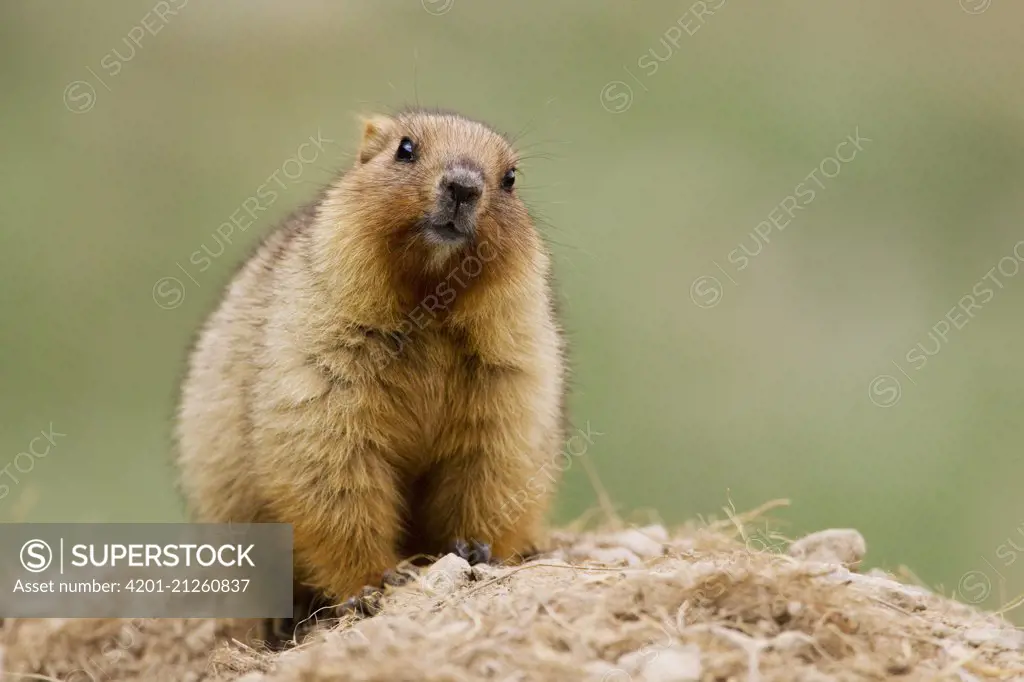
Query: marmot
(386, 373)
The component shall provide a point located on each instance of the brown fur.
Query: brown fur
(340, 387)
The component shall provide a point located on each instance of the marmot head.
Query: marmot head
(430, 214)
(439, 185)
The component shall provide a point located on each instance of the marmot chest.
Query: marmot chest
(437, 395)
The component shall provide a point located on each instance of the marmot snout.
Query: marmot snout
(454, 216)
(299, 407)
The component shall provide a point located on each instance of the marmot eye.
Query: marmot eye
(406, 151)
(509, 179)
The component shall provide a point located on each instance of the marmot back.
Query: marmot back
(386, 372)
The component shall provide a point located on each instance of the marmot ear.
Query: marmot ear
(376, 132)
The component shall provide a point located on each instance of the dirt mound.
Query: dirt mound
(708, 602)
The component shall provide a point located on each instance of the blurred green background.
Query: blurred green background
(660, 136)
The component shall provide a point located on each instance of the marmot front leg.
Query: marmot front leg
(486, 498)
(346, 524)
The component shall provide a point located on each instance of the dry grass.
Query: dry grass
(707, 602)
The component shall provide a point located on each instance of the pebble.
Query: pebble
(843, 546)
(655, 532)
(1003, 638)
(675, 663)
(640, 542)
(611, 556)
(614, 556)
(446, 575)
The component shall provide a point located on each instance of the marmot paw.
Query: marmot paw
(362, 605)
(473, 551)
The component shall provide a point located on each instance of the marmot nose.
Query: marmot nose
(465, 185)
